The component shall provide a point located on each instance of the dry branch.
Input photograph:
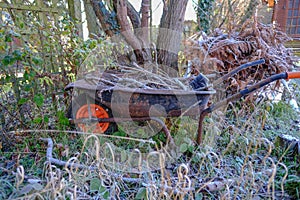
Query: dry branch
(138, 76)
(125, 26)
(133, 16)
(79, 166)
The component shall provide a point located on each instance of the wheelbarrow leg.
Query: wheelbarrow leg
(200, 126)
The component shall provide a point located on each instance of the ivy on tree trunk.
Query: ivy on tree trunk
(204, 13)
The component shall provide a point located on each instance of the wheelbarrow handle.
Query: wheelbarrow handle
(242, 93)
(293, 75)
(248, 90)
(237, 70)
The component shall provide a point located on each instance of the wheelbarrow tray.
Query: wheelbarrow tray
(138, 102)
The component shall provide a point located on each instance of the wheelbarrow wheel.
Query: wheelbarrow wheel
(84, 107)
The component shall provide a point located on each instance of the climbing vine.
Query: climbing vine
(204, 11)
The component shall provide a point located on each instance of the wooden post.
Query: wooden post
(1, 16)
(17, 15)
(74, 7)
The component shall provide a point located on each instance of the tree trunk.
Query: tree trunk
(107, 20)
(92, 24)
(170, 32)
(145, 10)
(122, 17)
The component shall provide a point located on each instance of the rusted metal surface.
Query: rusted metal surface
(146, 103)
(127, 102)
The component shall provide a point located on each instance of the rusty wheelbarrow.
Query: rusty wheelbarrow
(105, 105)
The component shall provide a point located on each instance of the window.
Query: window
(293, 18)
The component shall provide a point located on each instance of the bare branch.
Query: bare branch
(105, 17)
(125, 26)
(145, 9)
(133, 16)
(79, 166)
(127, 32)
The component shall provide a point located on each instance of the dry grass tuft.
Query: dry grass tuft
(233, 163)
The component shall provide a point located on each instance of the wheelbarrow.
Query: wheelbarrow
(106, 105)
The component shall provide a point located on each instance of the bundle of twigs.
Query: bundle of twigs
(221, 53)
(149, 77)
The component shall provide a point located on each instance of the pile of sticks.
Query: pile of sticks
(223, 52)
